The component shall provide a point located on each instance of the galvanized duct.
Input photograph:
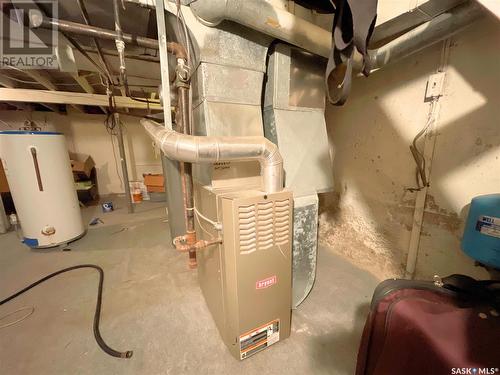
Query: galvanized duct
(262, 16)
(425, 35)
(279, 23)
(201, 149)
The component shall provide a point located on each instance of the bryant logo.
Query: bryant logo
(475, 370)
(266, 283)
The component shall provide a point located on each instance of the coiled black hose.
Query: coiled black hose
(97, 315)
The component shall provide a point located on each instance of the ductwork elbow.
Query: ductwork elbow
(201, 149)
(210, 13)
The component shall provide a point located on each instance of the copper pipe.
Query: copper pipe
(181, 244)
(187, 176)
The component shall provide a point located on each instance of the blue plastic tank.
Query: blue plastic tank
(481, 240)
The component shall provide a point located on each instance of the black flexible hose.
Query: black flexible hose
(97, 315)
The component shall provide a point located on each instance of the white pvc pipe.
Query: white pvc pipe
(201, 149)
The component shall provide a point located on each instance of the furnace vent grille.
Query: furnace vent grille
(264, 225)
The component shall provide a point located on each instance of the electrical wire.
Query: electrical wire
(24, 317)
(100, 54)
(71, 84)
(23, 81)
(202, 227)
(418, 156)
(198, 213)
(110, 125)
(116, 162)
(97, 315)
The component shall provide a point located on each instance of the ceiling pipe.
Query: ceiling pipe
(421, 13)
(262, 16)
(203, 149)
(438, 29)
(39, 21)
(279, 23)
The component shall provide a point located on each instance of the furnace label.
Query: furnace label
(489, 226)
(266, 283)
(259, 338)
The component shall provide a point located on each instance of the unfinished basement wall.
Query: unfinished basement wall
(86, 134)
(370, 217)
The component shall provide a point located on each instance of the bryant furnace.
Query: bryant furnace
(246, 280)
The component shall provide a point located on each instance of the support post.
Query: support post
(171, 168)
(123, 162)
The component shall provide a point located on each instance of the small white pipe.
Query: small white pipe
(201, 149)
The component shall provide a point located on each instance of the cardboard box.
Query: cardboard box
(4, 186)
(155, 189)
(87, 190)
(154, 183)
(82, 165)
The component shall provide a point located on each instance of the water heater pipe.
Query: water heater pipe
(202, 149)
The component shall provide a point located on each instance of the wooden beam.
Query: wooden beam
(41, 77)
(122, 90)
(7, 82)
(70, 98)
(10, 83)
(44, 79)
(84, 84)
(87, 87)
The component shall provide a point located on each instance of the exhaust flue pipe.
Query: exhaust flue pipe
(201, 149)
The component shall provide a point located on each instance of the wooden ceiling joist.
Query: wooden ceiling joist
(44, 79)
(86, 86)
(70, 98)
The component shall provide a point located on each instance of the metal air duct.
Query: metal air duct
(205, 149)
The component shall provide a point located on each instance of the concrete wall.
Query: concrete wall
(87, 134)
(370, 217)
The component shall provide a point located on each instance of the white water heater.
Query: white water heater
(39, 174)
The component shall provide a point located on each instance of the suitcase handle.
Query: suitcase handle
(474, 290)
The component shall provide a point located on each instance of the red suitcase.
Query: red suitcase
(451, 326)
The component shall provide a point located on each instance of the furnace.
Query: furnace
(246, 280)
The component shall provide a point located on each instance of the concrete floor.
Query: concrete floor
(152, 305)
